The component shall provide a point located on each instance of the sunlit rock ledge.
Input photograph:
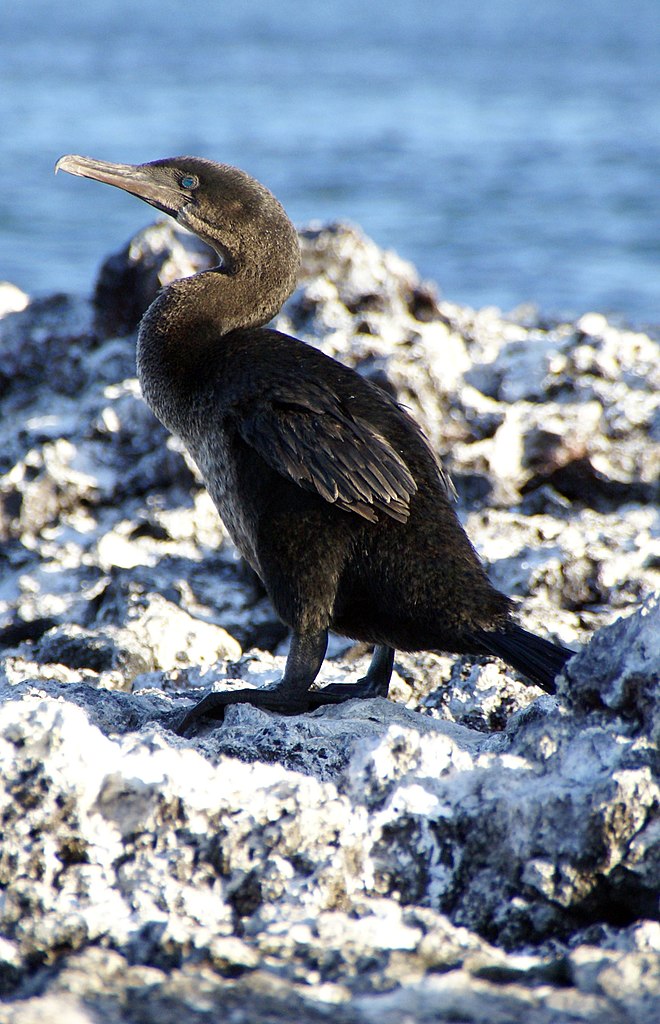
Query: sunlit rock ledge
(470, 849)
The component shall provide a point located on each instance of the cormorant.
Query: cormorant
(327, 486)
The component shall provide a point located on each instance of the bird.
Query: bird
(326, 484)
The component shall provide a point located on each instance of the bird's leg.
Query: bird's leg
(376, 683)
(289, 696)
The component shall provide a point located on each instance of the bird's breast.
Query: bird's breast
(216, 459)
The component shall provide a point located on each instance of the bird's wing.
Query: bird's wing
(316, 442)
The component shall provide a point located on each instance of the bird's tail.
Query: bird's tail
(538, 659)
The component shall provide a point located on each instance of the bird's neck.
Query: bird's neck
(180, 340)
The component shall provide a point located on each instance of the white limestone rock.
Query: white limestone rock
(470, 848)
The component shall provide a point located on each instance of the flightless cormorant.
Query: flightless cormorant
(327, 486)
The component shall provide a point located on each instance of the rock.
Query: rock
(12, 299)
(419, 821)
(620, 669)
(47, 344)
(470, 849)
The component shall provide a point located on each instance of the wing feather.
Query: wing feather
(317, 443)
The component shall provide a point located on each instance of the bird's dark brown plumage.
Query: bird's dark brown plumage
(327, 486)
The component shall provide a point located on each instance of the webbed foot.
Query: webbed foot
(376, 683)
(289, 697)
(292, 695)
(276, 698)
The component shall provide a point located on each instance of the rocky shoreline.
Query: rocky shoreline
(471, 849)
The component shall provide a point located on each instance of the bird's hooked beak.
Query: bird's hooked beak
(152, 184)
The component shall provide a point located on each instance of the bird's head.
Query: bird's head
(228, 209)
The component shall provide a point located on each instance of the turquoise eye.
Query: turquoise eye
(189, 181)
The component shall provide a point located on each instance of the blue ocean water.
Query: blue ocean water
(510, 149)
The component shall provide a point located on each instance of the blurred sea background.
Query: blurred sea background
(511, 150)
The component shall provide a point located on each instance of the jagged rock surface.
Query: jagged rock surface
(471, 849)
